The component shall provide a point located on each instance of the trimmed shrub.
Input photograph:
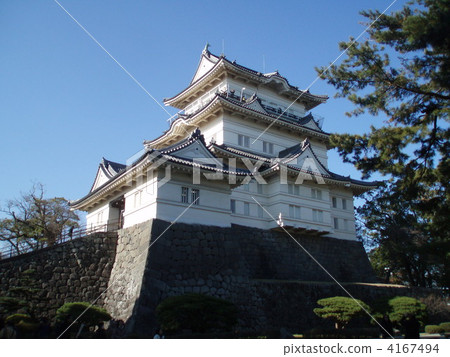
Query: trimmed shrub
(340, 309)
(23, 322)
(10, 304)
(445, 326)
(399, 307)
(84, 312)
(197, 313)
(16, 318)
(434, 329)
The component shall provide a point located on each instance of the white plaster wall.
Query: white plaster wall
(100, 179)
(98, 217)
(142, 207)
(213, 129)
(341, 214)
(276, 199)
(233, 126)
(213, 207)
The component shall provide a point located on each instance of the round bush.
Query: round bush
(445, 326)
(340, 309)
(83, 312)
(434, 329)
(399, 307)
(23, 322)
(196, 312)
(17, 318)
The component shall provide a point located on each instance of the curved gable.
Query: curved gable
(207, 61)
(100, 178)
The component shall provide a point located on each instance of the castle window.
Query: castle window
(137, 199)
(260, 212)
(293, 189)
(267, 147)
(184, 194)
(346, 225)
(317, 194)
(243, 140)
(233, 206)
(334, 202)
(336, 223)
(294, 211)
(246, 208)
(317, 215)
(195, 196)
(344, 203)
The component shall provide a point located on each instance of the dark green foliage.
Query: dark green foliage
(403, 73)
(399, 307)
(23, 322)
(445, 326)
(16, 318)
(196, 312)
(434, 329)
(405, 252)
(341, 310)
(20, 297)
(10, 304)
(83, 313)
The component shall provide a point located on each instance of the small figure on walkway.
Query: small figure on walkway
(71, 232)
(159, 334)
(411, 326)
(100, 332)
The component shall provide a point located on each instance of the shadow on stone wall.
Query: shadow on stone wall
(77, 270)
(266, 274)
(272, 281)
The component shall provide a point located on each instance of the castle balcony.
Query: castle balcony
(241, 99)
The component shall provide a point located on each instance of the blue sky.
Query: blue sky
(64, 104)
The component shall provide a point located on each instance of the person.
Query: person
(71, 232)
(158, 334)
(387, 330)
(9, 331)
(411, 326)
(101, 332)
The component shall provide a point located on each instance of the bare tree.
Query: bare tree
(33, 221)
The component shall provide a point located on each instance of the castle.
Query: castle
(244, 149)
(206, 209)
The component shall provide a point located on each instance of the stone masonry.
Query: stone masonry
(267, 274)
(231, 263)
(77, 270)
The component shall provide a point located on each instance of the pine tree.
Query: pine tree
(403, 72)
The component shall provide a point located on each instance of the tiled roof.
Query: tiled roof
(112, 168)
(263, 77)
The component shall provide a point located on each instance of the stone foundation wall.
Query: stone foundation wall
(268, 275)
(77, 270)
(232, 263)
(127, 273)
